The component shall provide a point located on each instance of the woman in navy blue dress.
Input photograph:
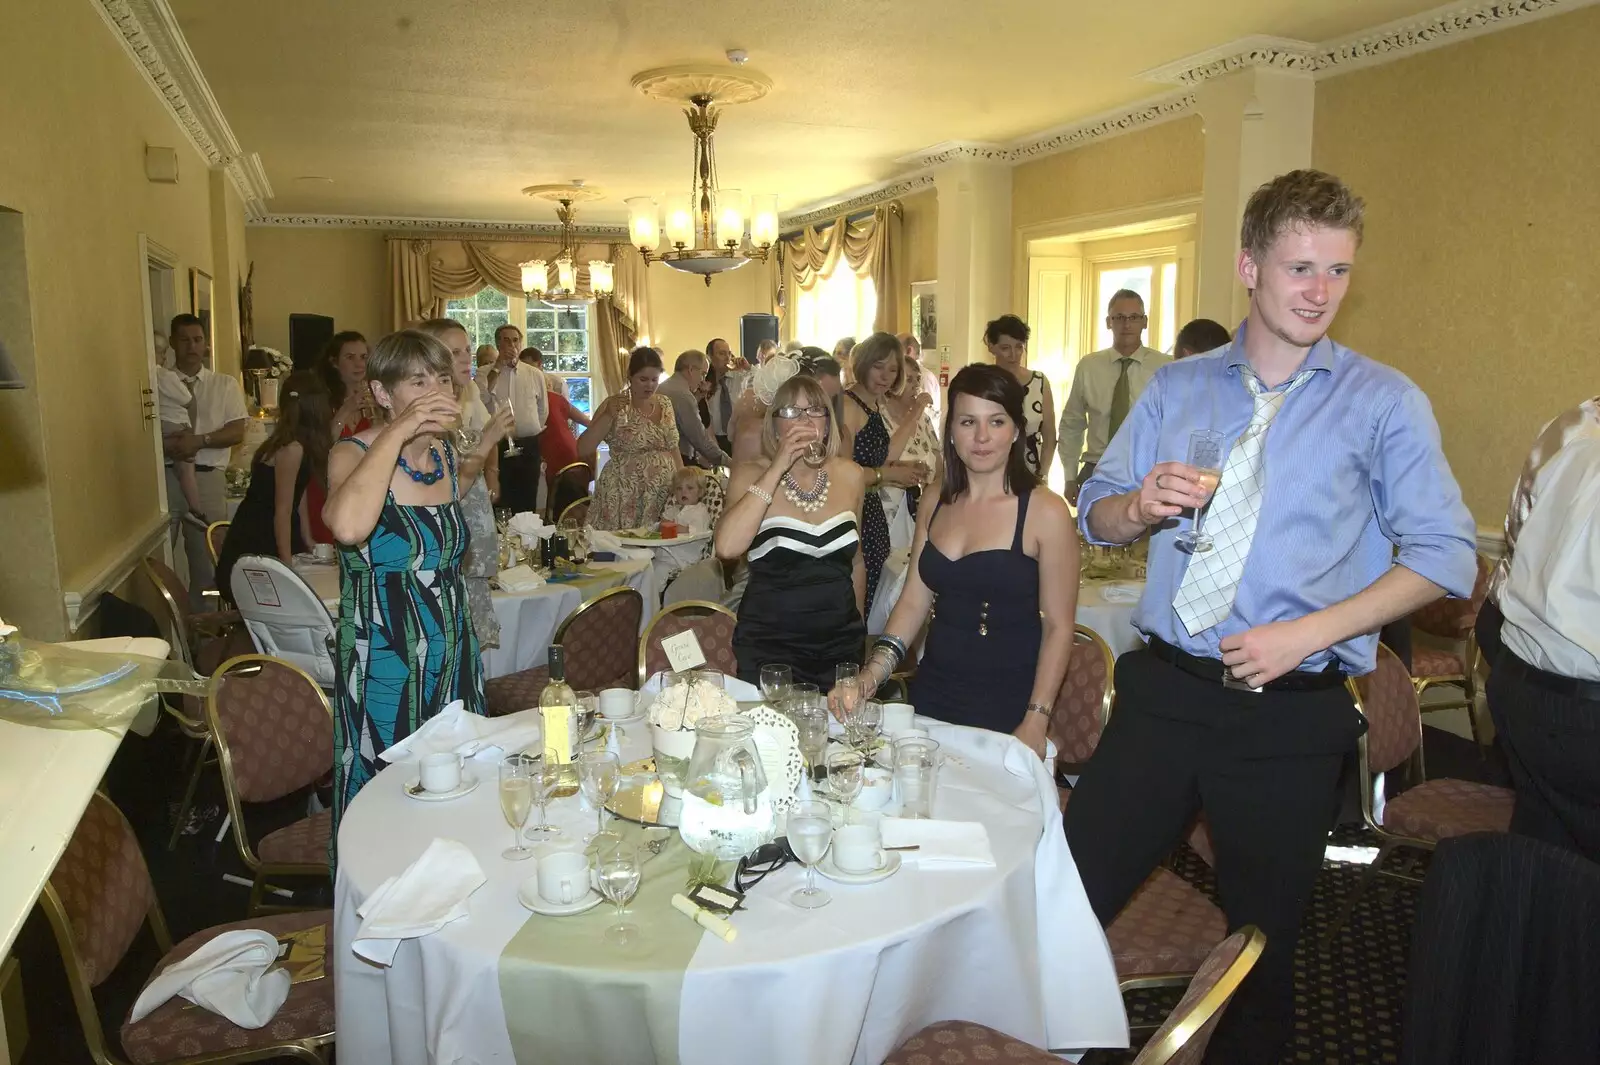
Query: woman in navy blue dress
(994, 574)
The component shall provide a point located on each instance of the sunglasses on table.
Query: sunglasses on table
(759, 863)
(791, 413)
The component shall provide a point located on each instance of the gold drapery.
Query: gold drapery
(871, 246)
(424, 273)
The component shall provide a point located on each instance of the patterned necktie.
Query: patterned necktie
(1212, 580)
(1121, 398)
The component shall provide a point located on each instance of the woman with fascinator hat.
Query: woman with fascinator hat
(270, 520)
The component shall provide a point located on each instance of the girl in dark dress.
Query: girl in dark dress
(270, 520)
(994, 573)
(798, 516)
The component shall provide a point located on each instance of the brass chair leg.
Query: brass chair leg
(188, 794)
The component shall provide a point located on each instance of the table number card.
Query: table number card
(683, 651)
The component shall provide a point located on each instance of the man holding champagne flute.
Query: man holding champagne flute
(1334, 513)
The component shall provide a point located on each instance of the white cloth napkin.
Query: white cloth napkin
(519, 578)
(604, 540)
(429, 894)
(231, 975)
(1121, 593)
(529, 527)
(939, 842)
(741, 691)
(453, 730)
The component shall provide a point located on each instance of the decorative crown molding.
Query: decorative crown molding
(1151, 112)
(1279, 53)
(150, 34)
(950, 151)
(468, 228)
(860, 199)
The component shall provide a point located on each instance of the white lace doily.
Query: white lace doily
(778, 745)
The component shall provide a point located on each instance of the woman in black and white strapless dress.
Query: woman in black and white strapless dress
(800, 526)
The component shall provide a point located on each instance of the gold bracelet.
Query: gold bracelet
(877, 476)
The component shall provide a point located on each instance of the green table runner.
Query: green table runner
(571, 997)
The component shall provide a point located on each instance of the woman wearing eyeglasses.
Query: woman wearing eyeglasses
(796, 514)
(1007, 340)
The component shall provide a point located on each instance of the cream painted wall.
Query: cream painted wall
(1478, 277)
(685, 313)
(74, 167)
(338, 272)
(1153, 165)
(920, 259)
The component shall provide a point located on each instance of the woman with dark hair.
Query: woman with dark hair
(632, 490)
(998, 554)
(269, 520)
(343, 370)
(1007, 340)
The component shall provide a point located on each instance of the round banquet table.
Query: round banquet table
(1107, 608)
(1015, 946)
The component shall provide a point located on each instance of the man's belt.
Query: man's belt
(1573, 687)
(1213, 670)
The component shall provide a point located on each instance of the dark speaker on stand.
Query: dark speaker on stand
(308, 335)
(753, 329)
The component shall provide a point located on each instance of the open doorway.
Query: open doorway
(159, 267)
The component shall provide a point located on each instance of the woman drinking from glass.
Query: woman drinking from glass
(999, 554)
(796, 511)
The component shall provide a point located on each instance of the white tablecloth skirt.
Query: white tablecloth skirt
(1107, 608)
(1015, 947)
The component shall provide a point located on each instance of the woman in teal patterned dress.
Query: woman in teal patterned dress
(406, 644)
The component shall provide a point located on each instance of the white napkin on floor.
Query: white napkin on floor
(231, 975)
(939, 842)
(429, 894)
(519, 578)
(529, 527)
(453, 730)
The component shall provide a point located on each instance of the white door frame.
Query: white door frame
(154, 254)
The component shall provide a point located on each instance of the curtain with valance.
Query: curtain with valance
(869, 245)
(425, 272)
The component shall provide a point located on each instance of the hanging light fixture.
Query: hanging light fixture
(705, 227)
(536, 280)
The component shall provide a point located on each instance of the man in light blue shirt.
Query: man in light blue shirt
(1335, 514)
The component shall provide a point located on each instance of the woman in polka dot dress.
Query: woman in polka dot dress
(1007, 340)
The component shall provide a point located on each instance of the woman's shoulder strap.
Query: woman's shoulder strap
(1022, 517)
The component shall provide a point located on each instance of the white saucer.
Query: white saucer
(631, 719)
(890, 867)
(414, 789)
(528, 895)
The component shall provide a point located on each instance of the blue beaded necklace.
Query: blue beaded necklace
(425, 478)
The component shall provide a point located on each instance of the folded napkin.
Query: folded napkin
(1121, 593)
(603, 540)
(232, 975)
(519, 578)
(454, 730)
(939, 842)
(529, 527)
(741, 691)
(428, 895)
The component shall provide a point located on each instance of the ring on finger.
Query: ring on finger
(1158, 481)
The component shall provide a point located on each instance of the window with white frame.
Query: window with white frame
(1156, 282)
(843, 304)
(481, 314)
(562, 336)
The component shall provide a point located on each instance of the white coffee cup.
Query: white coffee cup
(440, 772)
(858, 849)
(563, 877)
(324, 552)
(616, 702)
(897, 717)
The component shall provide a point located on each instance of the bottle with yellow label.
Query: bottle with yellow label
(558, 711)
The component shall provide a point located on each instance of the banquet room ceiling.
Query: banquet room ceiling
(446, 109)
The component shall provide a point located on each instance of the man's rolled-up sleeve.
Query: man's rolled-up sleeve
(1129, 456)
(1417, 500)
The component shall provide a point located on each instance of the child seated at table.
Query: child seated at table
(687, 507)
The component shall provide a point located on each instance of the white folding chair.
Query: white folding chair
(285, 618)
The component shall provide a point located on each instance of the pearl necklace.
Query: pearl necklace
(809, 502)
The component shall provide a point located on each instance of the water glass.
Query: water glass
(810, 834)
(618, 873)
(516, 801)
(545, 778)
(585, 708)
(599, 774)
(845, 777)
(775, 681)
(916, 775)
(1205, 455)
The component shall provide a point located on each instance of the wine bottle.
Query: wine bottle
(558, 711)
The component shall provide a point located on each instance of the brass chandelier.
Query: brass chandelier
(536, 282)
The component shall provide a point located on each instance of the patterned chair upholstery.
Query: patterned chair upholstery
(1429, 810)
(274, 735)
(712, 625)
(1454, 620)
(966, 1043)
(600, 638)
(1164, 932)
(1083, 705)
(99, 895)
(716, 496)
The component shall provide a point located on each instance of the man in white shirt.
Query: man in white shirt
(930, 382)
(729, 383)
(1105, 387)
(524, 386)
(1544, 682)
(217, 419)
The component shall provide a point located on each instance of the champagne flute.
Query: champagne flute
(861, 725)
(810, 835)
(618, 873)
(811, 724)
(546, 778)
(845, 769)
(516, 800)
(847, 678)
(1205, 455)
(775, 681)
(599, 773)
(512, 450)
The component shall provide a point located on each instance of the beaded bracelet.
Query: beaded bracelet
(760, 493)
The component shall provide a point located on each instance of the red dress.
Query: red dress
(557, 446)
(317, 494)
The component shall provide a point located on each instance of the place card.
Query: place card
(683, 651)
(717, 899)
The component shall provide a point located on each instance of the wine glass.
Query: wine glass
(811, 724)
(585, 709)
(599, 773)
(845, 777)
(847, 677)
(810, 835)
(516, 800)
(546, 778)
(618, 873)
(861, 725)
(1205, 455)
(775, 681)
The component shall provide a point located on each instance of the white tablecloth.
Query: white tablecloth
(528, 620)
(1107, 608)
(1015, 947)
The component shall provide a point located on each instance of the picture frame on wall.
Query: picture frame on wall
(925, 313)
(200, 294)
